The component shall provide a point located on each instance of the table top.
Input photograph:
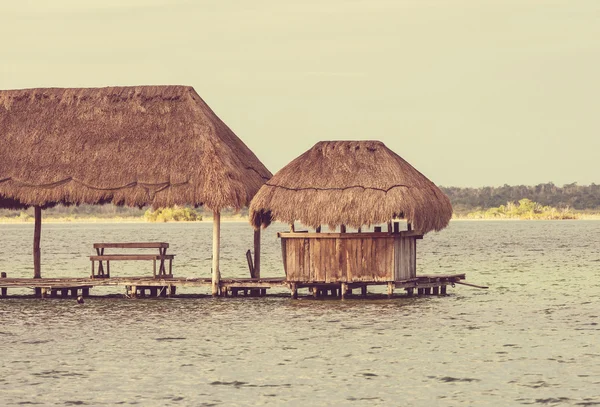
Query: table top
(139, 245)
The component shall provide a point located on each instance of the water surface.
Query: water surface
(531, 339)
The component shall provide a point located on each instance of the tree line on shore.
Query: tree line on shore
(465, 201)
(581, 198)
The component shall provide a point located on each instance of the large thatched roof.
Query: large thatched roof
(353, 183)
(142, 145)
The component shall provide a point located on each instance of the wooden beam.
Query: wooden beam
(216, 275)
(256, 254)
(37, 233)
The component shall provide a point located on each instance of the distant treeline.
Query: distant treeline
(116, 212)
(578, 197)
(464, 201)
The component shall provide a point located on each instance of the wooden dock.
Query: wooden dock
(165, 287)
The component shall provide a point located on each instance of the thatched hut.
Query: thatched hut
(350, 184)
(136, 146)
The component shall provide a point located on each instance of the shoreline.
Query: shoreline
(17, 221)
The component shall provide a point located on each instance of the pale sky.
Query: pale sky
(470, 92)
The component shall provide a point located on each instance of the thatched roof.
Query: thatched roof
(352, 183)
(142, 145)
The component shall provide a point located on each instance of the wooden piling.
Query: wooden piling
(216, 275)
(390, 290)
(294, 290)
(436, 290)
(37, 234)
(257, 253)
(443, 290)
(344, 290)
(4, 289)
(363, 290)
(342, 228)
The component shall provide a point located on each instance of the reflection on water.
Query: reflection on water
(531, 339)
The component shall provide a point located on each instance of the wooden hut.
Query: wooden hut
(136, 146)
(350, 184)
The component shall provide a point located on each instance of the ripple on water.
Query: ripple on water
(506, 345)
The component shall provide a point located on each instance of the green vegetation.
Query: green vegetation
(524, 209)
(543, 201)
(581, 198)
(176, 214)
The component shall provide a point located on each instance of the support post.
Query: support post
(390, 290)
(294, 291)
(216, 275)
(4, 289)
(257, 253)
(344, 290)
(342, 228)
(37, 233)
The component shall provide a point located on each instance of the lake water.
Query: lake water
(532, 338)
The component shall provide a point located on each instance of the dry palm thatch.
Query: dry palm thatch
(353, 183)
(143, 145)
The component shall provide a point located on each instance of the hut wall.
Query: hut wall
(405, 258)
(348, 257)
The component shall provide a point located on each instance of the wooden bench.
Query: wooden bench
(161, 257)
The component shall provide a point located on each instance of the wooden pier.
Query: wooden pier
(167, 287)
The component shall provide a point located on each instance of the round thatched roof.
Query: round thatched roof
(352, 183)
(143, 145)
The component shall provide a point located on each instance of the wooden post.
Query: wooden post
(294, 290)
(315, 291)
(342, 228)
(292, 228)
(443, 290)
(389, 225)
(344, 290)
(318, 229)
(409, 225)
(363, 290)
(257, 253)
(390, 290)
(359, 230)
(216, 275)
(4, 289)
(396, 227)
(37, 233)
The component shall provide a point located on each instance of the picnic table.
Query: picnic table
(162, 255)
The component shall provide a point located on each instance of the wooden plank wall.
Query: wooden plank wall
(332, 260)
(405, 257)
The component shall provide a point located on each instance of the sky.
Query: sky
(470, 92)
